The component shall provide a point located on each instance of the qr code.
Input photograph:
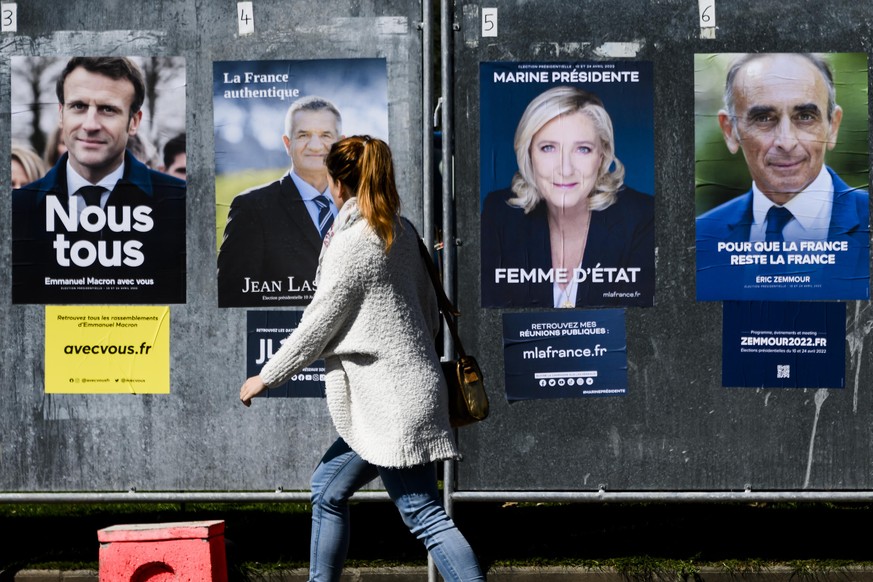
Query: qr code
(783, 371)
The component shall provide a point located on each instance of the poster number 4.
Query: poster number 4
(246, 18)
(489, 22)
(8, 17)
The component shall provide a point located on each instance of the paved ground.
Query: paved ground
(820, 536)
(402, 574)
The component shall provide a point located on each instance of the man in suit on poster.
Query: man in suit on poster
(274, 232)
(99, 227)
(781, 111)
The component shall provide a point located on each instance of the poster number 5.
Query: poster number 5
(9, 17)
(489, 22)
(246, 18)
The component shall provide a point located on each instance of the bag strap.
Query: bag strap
(449, 311)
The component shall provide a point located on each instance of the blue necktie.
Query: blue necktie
(325, 216)
(777, 218)
(91, 194)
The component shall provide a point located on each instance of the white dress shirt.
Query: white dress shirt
(811, 209)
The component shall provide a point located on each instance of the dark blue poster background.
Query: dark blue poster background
(564, 354)
(784, 344)
(630, 105)
(266, 332)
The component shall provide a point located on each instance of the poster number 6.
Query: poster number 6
(8, 17)
(246, 18)
(489, 22)
(707, 13)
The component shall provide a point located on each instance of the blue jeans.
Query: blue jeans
(414, 491)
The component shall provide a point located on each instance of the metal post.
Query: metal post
(446, 121)
(427, 153)
(427, 122)
(446, 64)
(448, 222)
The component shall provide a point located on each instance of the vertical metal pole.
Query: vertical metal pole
(448, 175)
(449, 254)
(427, 122)
(428, 101)
(447, 110)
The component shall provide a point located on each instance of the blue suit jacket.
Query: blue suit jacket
(160, 278)
(849, 278)
(269, 239)
(619, 237)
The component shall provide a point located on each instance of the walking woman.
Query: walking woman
(373, 320)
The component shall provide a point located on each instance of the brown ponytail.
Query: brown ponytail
(363, 165)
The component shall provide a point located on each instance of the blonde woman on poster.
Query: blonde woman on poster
(569, 232)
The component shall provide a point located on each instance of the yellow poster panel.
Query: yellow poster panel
(107, 349)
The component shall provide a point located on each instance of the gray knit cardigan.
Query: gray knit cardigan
(373, 320)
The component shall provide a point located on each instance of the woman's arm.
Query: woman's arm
(335, 300)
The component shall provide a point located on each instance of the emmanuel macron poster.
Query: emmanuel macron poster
(97, 217)
(567, 184)
(781, 167)
(274, 123)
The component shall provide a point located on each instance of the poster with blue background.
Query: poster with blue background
(567, 182)
(784, 344)
(564, 354)
(266, 330)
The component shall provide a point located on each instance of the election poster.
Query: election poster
(266, 331)
(567, 183)
(98, 200)
(564, 354)
(275, 122)
(110, 349)
(781, 177)
(788, 344)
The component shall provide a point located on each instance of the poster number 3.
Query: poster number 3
(246, 18)
(489, 22)
(9, 17)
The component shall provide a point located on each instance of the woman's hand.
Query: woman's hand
(252, 387)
